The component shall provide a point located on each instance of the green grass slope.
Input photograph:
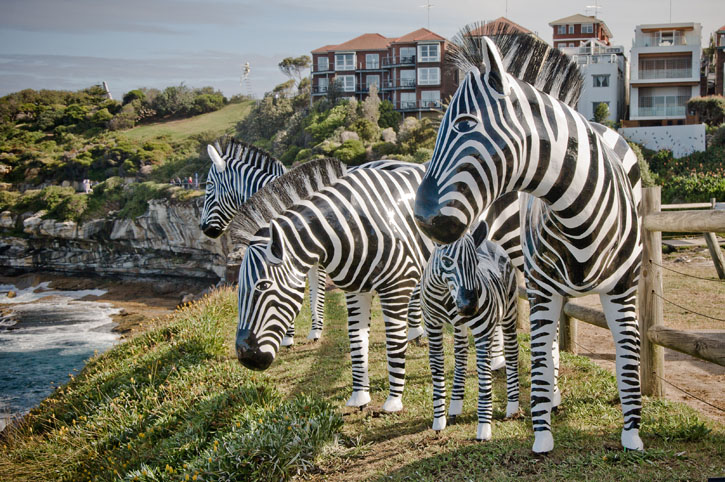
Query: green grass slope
(219, 122)
(174, 404)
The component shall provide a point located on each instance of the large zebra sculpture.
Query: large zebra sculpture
(580, 227)
(471, 283)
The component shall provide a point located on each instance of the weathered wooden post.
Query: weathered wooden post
(522, 322)
(715, 251)
(652, 356)
(567, 332)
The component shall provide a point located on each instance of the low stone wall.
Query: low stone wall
(164, 241)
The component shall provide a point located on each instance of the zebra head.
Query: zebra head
(474, 152)
(455, 265)
(271, 289)
(221, 201)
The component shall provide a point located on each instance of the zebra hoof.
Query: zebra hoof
(631, 440)
(358, 399)
(483, 432)
(439, 423)
(498, 363)
(393, 404)
(556, 399)
(543, 442)
(455, 407)
(512, 408)
(314, 335)
(416, 332)
(287, 341)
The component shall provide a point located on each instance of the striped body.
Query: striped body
(470, 284)
(580, 218)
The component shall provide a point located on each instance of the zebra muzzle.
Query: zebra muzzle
(249, 353)
(427, 209)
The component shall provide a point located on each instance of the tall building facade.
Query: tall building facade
(576, 29)
(410, 71)
(664, 73)
(720, 61)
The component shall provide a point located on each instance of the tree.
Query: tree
(292, 67)
(601, 112)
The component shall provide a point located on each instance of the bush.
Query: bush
(8, 200)
(693, 188)
(423, 155)
(382, 149)
(351, 152)
(389, 117)
(71, 208)
(710, 109)
(718, 137)
(644, 171)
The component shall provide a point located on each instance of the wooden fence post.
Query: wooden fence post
(715, 252)
(567, 331)
(650, 301)
(522, 322)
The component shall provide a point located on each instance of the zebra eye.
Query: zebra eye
(465, 124)
(447, 262)
(263, 285)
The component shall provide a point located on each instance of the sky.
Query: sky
(73, 44)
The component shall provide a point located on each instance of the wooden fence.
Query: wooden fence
(654, 335)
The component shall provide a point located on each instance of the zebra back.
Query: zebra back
(233, 150)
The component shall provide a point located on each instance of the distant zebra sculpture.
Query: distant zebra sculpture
(471, 283)
(581, 226)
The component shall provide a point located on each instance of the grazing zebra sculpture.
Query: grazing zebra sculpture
(581, 225)
(471, 283)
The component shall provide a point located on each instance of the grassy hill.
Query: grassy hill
(218, 122)
(174, 404)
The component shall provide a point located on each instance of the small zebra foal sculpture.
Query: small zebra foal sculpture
(581, 222)
(238, 171)
(471, 283)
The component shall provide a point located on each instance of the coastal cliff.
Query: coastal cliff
(164, 241)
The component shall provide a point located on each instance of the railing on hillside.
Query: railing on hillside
(654, 335)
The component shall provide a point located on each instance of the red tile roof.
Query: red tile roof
(421, 34)
(325, 49)
(495, 26)
(721, 29)
(366, 41)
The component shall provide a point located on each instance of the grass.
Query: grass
(173, 402)
(220, 122)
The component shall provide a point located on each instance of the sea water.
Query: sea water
(45, 335)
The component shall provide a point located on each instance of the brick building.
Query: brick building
(410, 71)
(574, 30)
(720, 61)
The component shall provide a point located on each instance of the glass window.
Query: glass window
(429, 76)
(372, 79)
(407, 100)
(571, 29)
(561, 29)
(587, 28)
(430, 98)
(407, 78)
(572, 44)
(345, 61)
(323, 64)
(600, 80)
(372, 61)
(429, 53)
(346, 82)
(407, 55)
(322, 84)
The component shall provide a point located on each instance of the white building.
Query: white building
(605, 70)
(664, 73)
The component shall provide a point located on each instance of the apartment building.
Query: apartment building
(496, 27)
(409, 71)
(606, 74)
(664, 73)
(576, 29)
(720, 61)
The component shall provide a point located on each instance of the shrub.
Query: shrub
(351, 152)
(644, 171)
(710, 109)
(71, 208)
(601, 112)
(8, 200)
(718, 137)
(423, 155)
(131, 95)
(289, 156)
(389, 117)
(382, 149)
(693, 188)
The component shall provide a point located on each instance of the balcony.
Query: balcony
(369, 66)
(595, 59)
(319, 90)
(364, 88)
(663, 106)
(415, 105)
(395, 61)
(654, 74)
(660, 39)
(393, 84)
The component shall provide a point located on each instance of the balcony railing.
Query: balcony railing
(404, 105)
(369, 66)
(404, 60)
(663, 106)
(656, 39)
(317, 89)
(595, 59)
(399, 84)
(665, 73)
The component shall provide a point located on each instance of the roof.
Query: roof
(579, 18)
(495, 26)
(721, 29)
(422, 34)
(366, 41)
(324, 49)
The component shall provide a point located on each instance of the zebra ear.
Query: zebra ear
(216, 158)
(495, 75)
(479, 234)
(275, 247)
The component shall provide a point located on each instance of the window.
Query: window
(430, 98)
(600, 80)
(322, 84)
(571, 29)
(407, 100)
(407, 78)
(663, 102)
(346, 82)
(429, 76)
(323, 64)
(675, 67)
(407, 55)
(372, 79)
(372, 61)
(572, 44)
(429, 53)
(345, 61)
(561, 29)
(667, 38)
(587, 28)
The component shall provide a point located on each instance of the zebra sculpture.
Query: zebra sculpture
(239, 170)
(580, 226)
(471, 283)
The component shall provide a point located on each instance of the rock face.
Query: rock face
(164, 241)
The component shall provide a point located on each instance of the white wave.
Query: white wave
(41, 290)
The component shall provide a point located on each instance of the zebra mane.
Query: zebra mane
(279, 195)
(525, 56)
(232, 149)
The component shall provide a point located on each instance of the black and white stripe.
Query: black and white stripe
(580, 216)
(471, 283)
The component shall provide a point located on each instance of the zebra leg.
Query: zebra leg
(395, 311)
(289, 338)
(556, 399)
(497, 359)
(511, 349)
(619, 310)
(460, 350)
(545, 310)
(435, 360)
(358, 330)
(415, 315)
(318, 279)
(483, 367)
